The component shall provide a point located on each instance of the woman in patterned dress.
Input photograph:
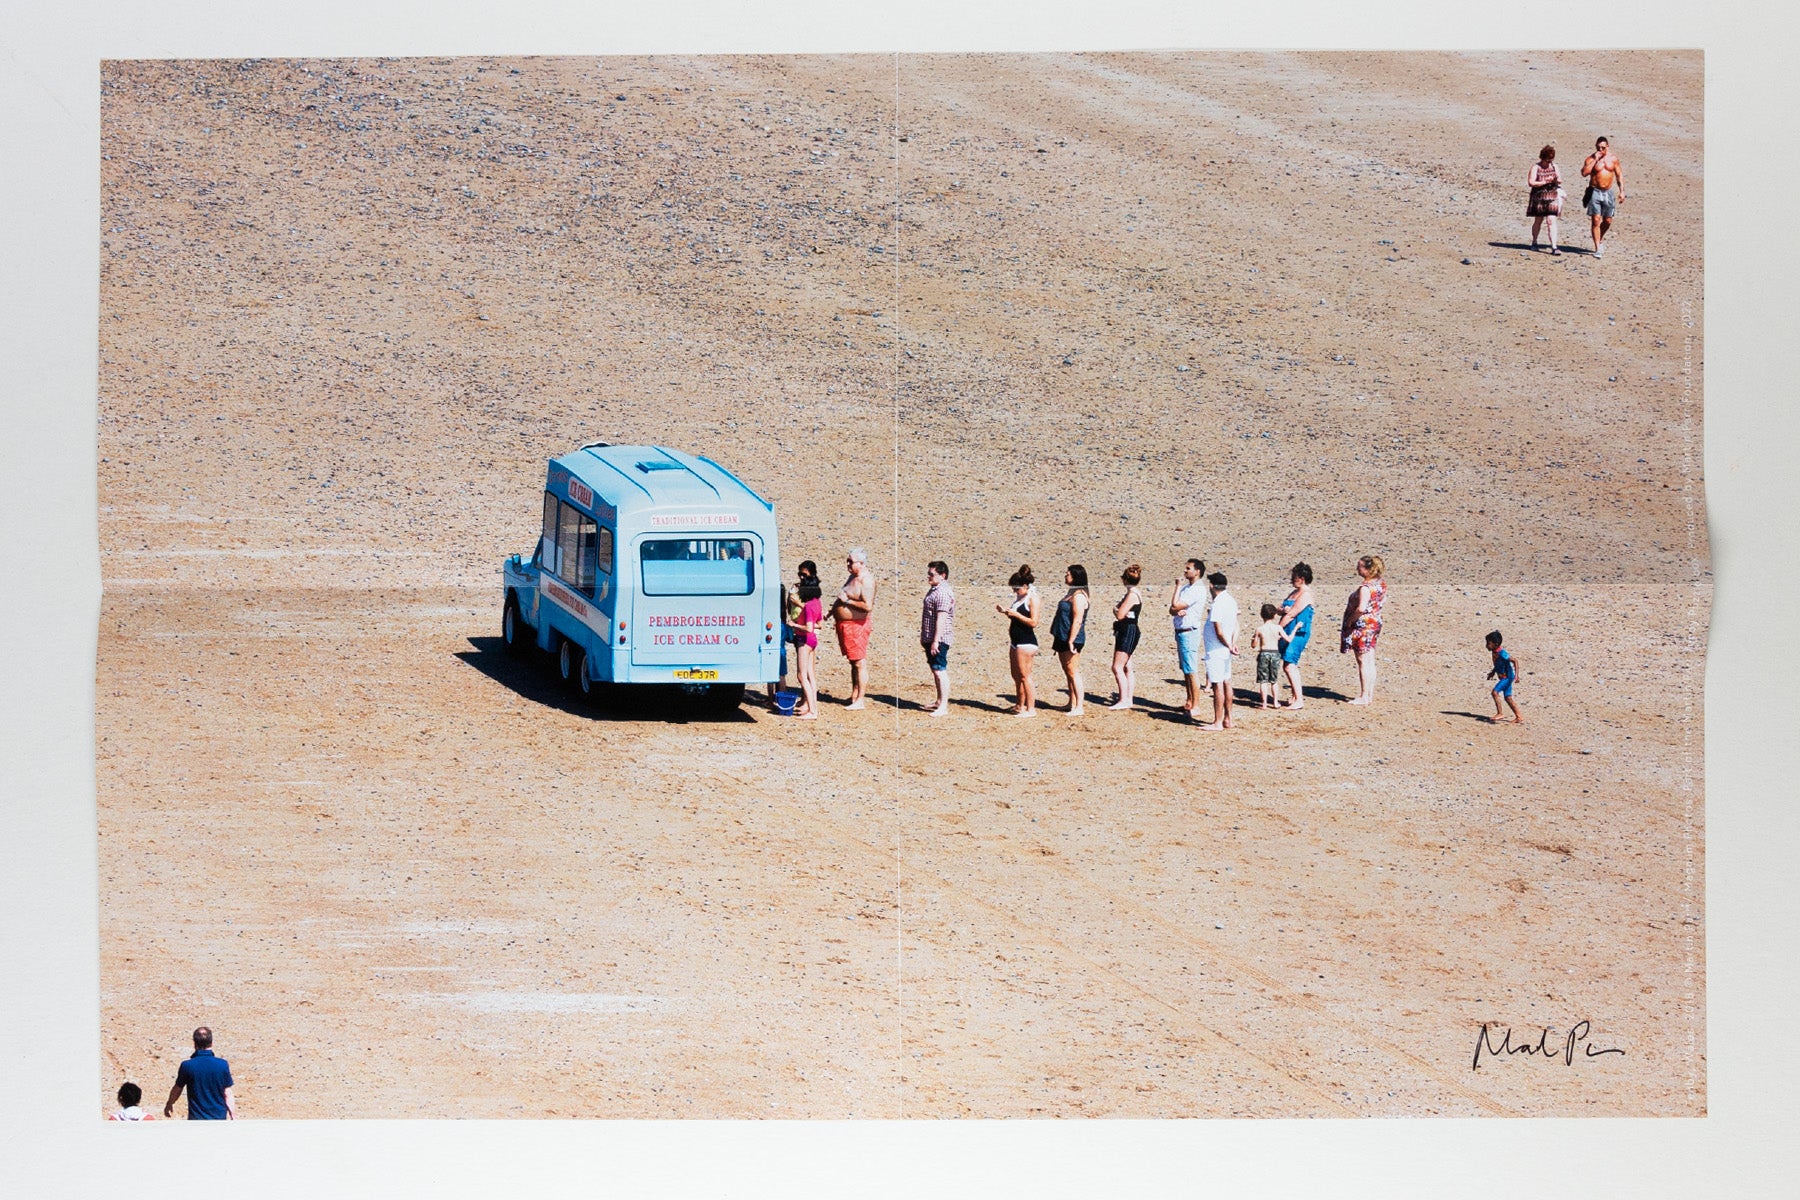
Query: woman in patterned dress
(1545, 201)
(1362, 623)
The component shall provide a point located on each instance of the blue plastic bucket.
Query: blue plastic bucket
(785, 702)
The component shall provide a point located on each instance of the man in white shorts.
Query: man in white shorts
(1221, 644)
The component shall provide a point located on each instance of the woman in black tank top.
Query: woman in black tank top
(1125, 635)
(1021, 622)
(1068, 633)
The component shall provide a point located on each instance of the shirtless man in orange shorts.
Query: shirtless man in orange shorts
(854, 603)
(1606, 192)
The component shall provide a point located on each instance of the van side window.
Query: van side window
(605, 552)
(568, 525)
(547, 543)
(587, 545)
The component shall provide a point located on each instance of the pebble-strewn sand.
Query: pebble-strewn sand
(1100, 308)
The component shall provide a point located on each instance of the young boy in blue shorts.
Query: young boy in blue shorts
(1504, 673)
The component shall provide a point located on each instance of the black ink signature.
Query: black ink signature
(1565, 1049)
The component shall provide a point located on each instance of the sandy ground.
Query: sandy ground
(1050, 309)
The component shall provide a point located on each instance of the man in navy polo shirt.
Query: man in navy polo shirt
(207, 1078)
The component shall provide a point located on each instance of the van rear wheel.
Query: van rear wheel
(584, 680)
(721, 697)
(569, 660)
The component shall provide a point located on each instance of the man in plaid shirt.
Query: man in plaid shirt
(934, 631)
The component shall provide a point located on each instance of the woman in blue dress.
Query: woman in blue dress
(1296, 628)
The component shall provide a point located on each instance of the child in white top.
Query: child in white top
(129, 1096)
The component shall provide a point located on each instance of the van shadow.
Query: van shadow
(532, 676)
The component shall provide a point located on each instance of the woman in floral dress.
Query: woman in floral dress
(1362, 623)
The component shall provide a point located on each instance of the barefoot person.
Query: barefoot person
(1546, 193)
(1188, 606)
(1504, 673)
(1220, 639)
(1068, 632)
(812, 620)
(1362, 624)
(934, 631)
(1268, 658)
(790, 613)
(1022, 643)
(1125, 635)
(855, 602)
(1606, 191)
(1296, 628)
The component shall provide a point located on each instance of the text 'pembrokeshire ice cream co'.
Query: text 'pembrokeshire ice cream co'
(703, 629)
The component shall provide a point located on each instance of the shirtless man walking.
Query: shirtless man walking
(1607, 182)
(854, 603)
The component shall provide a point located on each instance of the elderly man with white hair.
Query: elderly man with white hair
(854, 603)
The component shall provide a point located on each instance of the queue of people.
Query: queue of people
(1203, 612)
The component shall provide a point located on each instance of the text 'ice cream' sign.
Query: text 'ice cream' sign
(694, 520)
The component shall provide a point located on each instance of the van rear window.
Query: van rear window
(698, 567)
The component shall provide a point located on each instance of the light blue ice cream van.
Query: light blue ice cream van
(653, 566)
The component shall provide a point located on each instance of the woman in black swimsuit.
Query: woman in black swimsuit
(1021, 620)
(1068, 633)
(1125, 635)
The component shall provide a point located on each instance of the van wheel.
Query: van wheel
(512, 626)
(568, 660)
(724, 697)
(583, 680)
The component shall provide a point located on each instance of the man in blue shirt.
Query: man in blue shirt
(207, 1078)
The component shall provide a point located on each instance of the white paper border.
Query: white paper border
(52, 1144)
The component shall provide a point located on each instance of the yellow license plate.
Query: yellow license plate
(696, 673)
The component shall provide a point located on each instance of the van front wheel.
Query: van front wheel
(512, 627)
(569, 660)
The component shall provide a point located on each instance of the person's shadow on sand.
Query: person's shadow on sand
(532, 676)
(1004, 709)
(891, 701)
(1323, 693)
(1543, 248)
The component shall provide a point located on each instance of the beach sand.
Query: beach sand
(1079, 308)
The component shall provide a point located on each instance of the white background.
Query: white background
(52, 1142)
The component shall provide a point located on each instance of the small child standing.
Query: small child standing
(1266, 642)
(1504, 673)
(130, 1094)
